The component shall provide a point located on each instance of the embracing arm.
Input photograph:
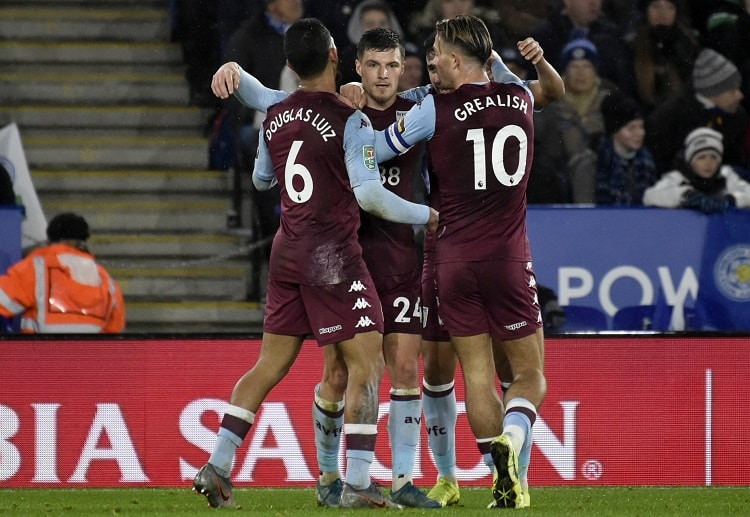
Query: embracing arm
(230, 79)
(548, 86)
(418, 124)
(364, 176)
(263, 175)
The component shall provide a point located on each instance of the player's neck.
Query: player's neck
(318, 85)
(471, 75)
(380, 105)
(325, 82)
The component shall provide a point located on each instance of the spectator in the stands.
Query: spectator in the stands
(514, 61)
(714, 101)
(367, 15)
(414, 70)
(625, 168)
(701, 182)
(664, 51)
(567, 132)
(728, 33)
(584, 19)
(423, 23)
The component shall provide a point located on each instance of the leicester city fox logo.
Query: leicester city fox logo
(368, 156)
(732, 273)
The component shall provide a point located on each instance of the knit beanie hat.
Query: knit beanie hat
(579, 48)
(618, 110)
(67, 227)
(703, 139)
(713, 74)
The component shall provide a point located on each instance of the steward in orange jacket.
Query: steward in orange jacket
(60, 288)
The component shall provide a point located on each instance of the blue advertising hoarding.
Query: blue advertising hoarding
(610, 258)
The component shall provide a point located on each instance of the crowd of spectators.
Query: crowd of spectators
(640, 75)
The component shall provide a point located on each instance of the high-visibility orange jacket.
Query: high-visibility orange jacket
(61, 289)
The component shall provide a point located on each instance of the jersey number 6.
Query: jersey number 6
(292, 169)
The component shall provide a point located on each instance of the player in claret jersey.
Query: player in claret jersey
(390, 253)
(480, 141)
(321, 153)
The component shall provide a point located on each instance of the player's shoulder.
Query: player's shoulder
(402, 104)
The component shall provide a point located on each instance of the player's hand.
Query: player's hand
(432, 222)
(354, 95)
(226, 80)
(531, 50)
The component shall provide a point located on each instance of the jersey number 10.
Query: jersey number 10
(497, 154)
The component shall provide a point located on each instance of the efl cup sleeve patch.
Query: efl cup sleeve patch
(368, 156)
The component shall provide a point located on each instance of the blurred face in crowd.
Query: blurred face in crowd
(629, 137)
(453, 8)
(288, 11)
(374, 19)
(705, 164)
(661, 12)
(580, 76)
(412, 76)
(380, 72)
(583, 12)
(728, 101)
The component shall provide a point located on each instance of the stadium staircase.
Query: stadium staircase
(98, 92)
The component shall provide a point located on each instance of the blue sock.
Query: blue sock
(520, 416)
(223, 455)
(440, 414)
(404, 426)
(328, 417)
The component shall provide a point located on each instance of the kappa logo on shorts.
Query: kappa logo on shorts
(361, 304)
(532, 282)
(330, 330)
(516, 326)
(364, 321)
(357, 286)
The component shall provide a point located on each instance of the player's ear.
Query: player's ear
(333, 55)
(358, 67)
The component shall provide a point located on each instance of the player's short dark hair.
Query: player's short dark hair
(380, 40)
(469, 34)
(306, 46)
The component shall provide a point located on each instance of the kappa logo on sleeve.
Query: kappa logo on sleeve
(368, 156)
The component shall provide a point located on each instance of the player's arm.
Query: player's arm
(549, 86)
(263, 175)
(418, 124)
(416, 94)
(230, 79)
(364, 176)
(355, 95)
(500, 71)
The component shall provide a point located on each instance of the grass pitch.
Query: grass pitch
(621, 501)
